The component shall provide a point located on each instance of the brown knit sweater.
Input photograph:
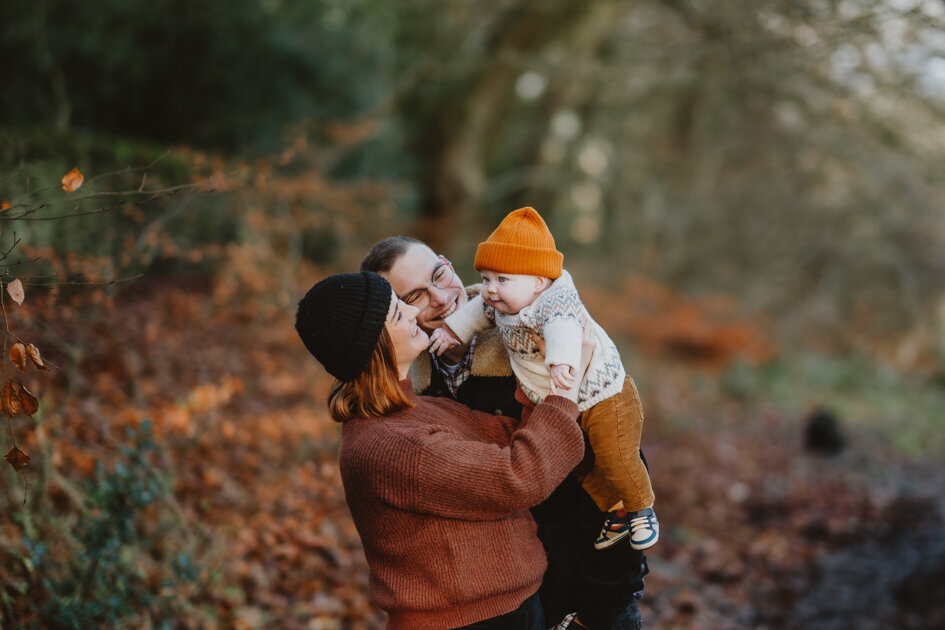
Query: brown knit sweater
(440, 496)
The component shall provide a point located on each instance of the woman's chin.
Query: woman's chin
(420, 343)
(423, 341)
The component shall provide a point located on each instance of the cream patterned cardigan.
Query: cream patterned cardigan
(555, 315)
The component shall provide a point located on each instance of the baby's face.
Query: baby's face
(508, 292)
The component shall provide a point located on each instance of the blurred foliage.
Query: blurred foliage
(871, 398)
(214, 72)
(121, 223)
(124, 561)
(780, 152)
(245, 454)
(783, 153)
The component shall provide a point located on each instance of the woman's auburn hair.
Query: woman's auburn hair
(376, 392)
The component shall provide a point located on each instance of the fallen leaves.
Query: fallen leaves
(705, 331)
(253, 458)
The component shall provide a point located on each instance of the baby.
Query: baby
(525, 291)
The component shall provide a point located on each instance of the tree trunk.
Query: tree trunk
(461, 125)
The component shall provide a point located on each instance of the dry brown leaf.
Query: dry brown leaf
(72, 180)
(15, 289)
(10, 397)
(17, 458)
(33, 353)
(28, 402)
(18, 356)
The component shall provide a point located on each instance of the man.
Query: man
(479, 375)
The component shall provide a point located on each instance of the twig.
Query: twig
(16, 241)
(22, 262)
(77, 283)
(153, 194)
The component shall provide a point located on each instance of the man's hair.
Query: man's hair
(375, 393)
(382, 256)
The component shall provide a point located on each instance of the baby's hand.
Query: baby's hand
(441, 340)
(561, 377)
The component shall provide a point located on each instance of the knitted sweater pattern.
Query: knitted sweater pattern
(439, 495)
(555, 315)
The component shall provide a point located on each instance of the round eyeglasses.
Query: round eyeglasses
(441, 278)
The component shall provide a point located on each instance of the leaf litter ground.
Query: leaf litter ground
(756, 532)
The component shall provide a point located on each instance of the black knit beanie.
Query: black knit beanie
(340, 320)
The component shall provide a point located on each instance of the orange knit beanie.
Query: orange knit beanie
(522, 244)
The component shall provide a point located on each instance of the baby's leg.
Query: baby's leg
(614, 427)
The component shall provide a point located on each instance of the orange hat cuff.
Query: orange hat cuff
(519, 259)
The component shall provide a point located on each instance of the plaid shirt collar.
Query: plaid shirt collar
(457, 377)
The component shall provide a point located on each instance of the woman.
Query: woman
(439, 493)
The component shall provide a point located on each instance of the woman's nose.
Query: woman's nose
(411, 312)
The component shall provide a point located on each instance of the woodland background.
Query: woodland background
(748, 193)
